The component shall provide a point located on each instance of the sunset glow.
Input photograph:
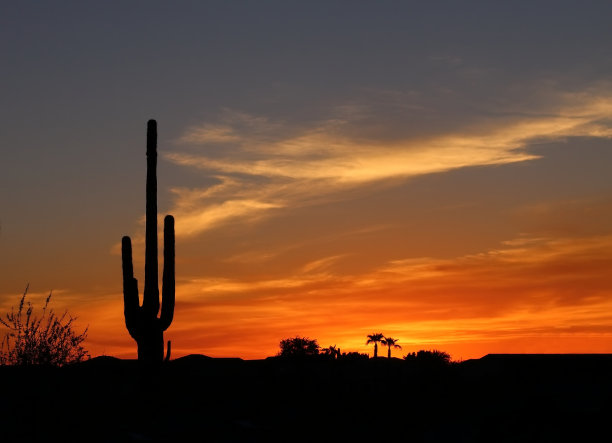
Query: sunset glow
(434, 193)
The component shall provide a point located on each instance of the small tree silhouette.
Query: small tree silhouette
(353, 356)
(390, 343)
(298, 347)
(331, 351)
(433, 357)
(375, 338)
(48, 340)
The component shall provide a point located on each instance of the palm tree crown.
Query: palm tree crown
(375, 338)
(391, 343)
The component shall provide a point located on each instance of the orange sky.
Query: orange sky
(428, 173)
(531, 295)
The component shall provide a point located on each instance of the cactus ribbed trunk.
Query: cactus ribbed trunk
(150, 300)
(142, 321)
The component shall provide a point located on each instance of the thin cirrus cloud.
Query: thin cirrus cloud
(265, 170)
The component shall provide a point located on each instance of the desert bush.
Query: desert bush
(45, 340)
(331, 352)
(354, 356)
(434, 357)
(298, 347)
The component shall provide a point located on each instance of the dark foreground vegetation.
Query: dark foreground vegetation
(495, 399)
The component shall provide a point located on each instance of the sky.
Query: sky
(439, 172)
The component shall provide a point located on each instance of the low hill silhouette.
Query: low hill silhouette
(199, 398)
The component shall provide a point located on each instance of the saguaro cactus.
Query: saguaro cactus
(142, 322)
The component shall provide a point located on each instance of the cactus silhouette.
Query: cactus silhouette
(142, 322)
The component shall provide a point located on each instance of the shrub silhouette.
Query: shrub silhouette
(298, 347)
(45, 340)
(433, 357)
(331, 352)
(353, 356)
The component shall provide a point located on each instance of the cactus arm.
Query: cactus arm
(150, 302)
(130, 288)
(167, 307)
(168, 349)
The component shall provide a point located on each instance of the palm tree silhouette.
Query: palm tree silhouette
(391, 343)
(375, 338)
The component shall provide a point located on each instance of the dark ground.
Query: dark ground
(499, 398)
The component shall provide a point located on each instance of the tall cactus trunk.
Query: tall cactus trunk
(141, 321)
(150, 300)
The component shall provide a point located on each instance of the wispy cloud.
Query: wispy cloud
(233, 126)
(272, 167)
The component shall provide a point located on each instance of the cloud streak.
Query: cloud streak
(270, 167)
